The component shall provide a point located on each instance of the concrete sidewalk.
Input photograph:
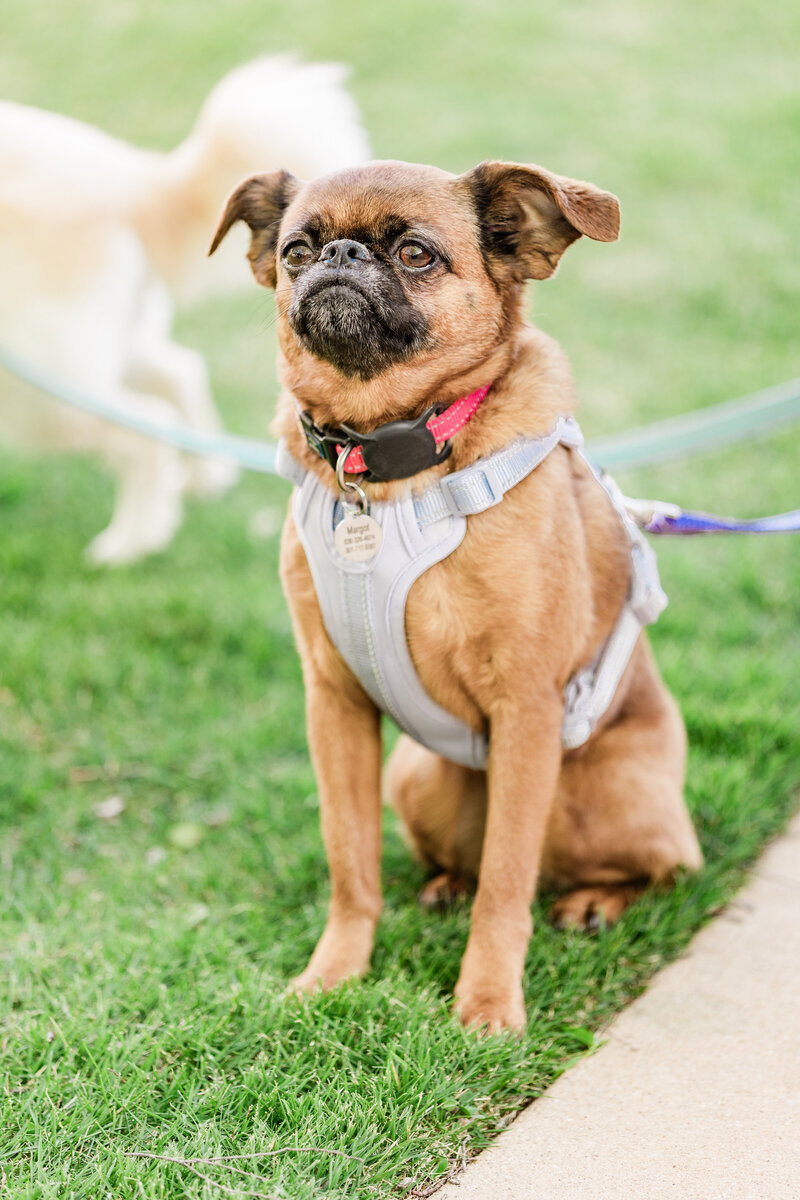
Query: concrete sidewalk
(696, 1094)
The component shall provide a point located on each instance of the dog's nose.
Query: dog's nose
(343, 253)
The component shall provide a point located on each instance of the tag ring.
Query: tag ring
(351, 492)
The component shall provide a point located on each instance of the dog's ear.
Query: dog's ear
(260, 202)
(528, 216)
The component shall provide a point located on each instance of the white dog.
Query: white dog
(97, 238)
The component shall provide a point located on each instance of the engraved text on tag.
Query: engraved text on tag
(358, 538)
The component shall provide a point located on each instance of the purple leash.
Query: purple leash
(655, 516)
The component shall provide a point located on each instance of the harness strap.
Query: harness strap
(475, 488)
(590, 691)
(287, 465)
(480, 486)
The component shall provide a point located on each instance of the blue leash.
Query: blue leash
(732, 421)
(655, 516)
(687, 522)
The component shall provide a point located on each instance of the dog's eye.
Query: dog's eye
(298, 255)
(415, 256)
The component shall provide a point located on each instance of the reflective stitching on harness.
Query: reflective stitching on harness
(369, 639)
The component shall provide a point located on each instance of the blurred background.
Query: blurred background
(690, 113)
(159, 814)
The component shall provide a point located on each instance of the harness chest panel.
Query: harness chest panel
(363, 604)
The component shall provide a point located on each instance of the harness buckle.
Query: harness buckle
(647, 598)
(472, 489)
(644, 512)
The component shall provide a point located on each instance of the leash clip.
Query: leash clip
(644, 512)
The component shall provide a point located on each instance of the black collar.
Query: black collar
(396, 450)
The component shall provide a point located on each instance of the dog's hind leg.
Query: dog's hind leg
(150, 479)
(78, 321)
(443, 808)
(161, 365)
(620, 821)
(618, 824)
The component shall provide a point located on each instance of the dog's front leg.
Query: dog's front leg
(523, 767)
(344, 737)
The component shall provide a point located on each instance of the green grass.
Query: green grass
(143, 957)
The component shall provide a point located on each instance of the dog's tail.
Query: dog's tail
(272, 112)
(279, 112)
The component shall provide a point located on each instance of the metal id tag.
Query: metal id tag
(358, 538)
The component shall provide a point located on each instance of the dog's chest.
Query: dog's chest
(498, 614)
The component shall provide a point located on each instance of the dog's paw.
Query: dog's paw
(491, 1012)
(341, 953)
(444, 891)
(112, 549)
(305, 985)
(320, 979)
(120, 544)
(590, 908)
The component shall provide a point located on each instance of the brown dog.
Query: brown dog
(399, 286)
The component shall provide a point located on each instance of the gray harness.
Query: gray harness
(364, 603)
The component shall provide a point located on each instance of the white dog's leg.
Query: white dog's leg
(157, 363)
(181, 376)
(74, 291)
(150, 481)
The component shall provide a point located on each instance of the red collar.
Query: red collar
(398, 449)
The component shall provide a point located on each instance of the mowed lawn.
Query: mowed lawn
(143, 956)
